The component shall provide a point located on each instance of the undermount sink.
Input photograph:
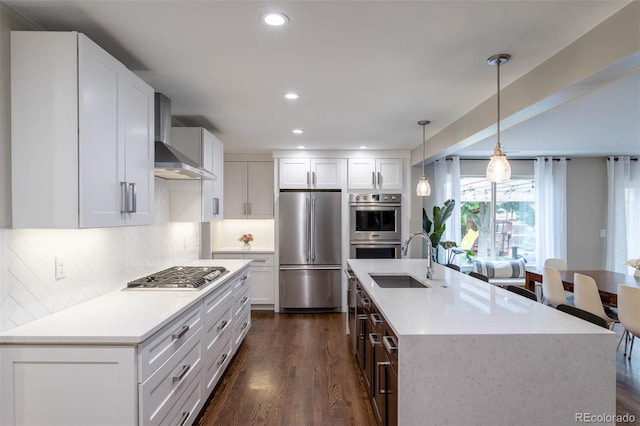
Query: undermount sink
(397, 281)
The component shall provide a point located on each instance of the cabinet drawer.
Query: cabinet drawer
(217, 329)
(227, 256)
(241, 283)
(163, 389)
(242, 300)
(158, 348)
(187, 407)
(242, 325)
(214, 303)
(260, 259)
(216, 362)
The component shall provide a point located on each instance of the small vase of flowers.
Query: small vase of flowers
(246, 239)
(635, 263)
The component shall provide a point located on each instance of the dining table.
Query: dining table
(607, 281)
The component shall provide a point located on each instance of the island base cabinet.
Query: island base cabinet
(187, 407)
(98, 382)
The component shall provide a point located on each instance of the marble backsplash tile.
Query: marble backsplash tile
(97, 261)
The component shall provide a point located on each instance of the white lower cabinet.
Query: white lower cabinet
(262, 275)
(165, 380)
(68, 385)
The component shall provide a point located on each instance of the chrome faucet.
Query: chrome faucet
(405, 249)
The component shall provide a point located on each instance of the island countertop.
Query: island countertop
(118, 317)
(459, 304)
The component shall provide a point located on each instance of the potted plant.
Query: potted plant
(440, 216)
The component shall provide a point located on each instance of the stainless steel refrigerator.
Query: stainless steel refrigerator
(310, 228)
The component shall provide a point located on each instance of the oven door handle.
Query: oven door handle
(375, 243)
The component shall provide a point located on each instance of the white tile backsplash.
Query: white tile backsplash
(225, 234)
(97, 261)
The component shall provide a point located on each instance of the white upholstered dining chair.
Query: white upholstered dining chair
(552, 287)
(587, 297)
(628, 313)
(559, 264)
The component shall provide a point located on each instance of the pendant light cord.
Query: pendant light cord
(423, 151)
(498, 65)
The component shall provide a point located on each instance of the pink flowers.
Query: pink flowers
(246, 238)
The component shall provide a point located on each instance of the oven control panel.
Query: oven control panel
(375, 198)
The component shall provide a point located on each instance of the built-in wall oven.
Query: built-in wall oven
(375, 226)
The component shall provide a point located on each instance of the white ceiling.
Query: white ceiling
(366, 71)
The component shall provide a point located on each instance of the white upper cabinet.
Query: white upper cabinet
(198, 200)
(82, 135)
(304, 173)
(375, 173)
(248, 189)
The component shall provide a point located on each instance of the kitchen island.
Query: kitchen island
(470, 353)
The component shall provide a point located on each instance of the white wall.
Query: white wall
(225, 234)
(97, 260)
(586, 212)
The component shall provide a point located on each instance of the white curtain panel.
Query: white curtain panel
(623, 223)
(551, 208)
(446, 186)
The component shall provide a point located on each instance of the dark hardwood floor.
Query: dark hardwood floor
(298, 369)
(292, 369)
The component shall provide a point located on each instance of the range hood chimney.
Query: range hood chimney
(169, 162)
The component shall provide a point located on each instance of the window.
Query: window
(515, 235)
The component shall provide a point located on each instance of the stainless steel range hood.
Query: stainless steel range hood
(169, 162)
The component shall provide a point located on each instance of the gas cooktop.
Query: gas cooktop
(179, 278)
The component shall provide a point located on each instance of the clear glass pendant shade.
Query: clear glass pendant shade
(423, 189)
(498, 169)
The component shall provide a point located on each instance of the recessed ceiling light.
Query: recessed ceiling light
(275, 19)
(297, 131)
(301, 147)
(363, 147)
(291, 95)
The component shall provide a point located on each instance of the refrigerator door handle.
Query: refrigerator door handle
(312, 241)
(311, 268)
(308, 223)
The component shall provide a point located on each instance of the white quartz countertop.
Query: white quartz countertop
(118, 317)
(458, 304)
(240, 250)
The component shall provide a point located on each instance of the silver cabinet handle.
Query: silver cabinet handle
(244, 325)
(244, 299)
(223, 325)
(244, 209)
(308, 180)
(375, 318)
(314, 181)
(379, 180)
(134, 198)
(124, 197)
(390, 343)
(216, 205)
(373, 179)
(259, 260)
(378, 365)
(249, 208)
(184, 417)
(350, 276)
(182, 332)
(222, 359)
(185, 369)
(374, 338)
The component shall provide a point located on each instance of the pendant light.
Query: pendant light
(423, 189)
(498, 169)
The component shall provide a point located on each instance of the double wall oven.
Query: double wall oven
(375, 231)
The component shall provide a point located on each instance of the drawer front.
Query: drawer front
(242, 300)
(214, 303)
(228, 256)
(260, 259)
(241, 281)
(216, 362)
(242, 325)
(163, 389)
(157, 349)
(217, 329)
(187, 407)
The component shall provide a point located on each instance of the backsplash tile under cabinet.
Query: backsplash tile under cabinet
(97, 261)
